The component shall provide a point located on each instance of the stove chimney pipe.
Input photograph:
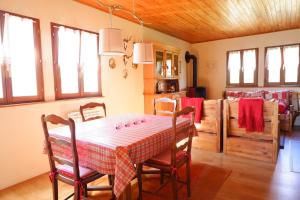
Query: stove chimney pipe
(188, 57)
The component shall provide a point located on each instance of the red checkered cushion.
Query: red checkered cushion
(282, 96)
(235, 94)
(256, 94)
(277, 95)
(67, 171)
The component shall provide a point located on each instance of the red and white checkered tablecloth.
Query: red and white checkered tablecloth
(108, 150)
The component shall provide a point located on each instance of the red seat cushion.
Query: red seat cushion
(67, 171)
(164, 158)
(282, 108)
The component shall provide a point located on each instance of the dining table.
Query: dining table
(115, 144)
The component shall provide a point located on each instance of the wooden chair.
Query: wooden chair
(92, 116)
(162, 106)
(169, 161)
(65, 169)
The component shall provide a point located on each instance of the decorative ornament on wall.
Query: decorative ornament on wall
(127, 57)
(112, 63)
(211, 65)
(125, 73)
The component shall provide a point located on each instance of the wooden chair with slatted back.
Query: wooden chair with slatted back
(90, 106)
(176, 156)
(164, 106)
(64, 169)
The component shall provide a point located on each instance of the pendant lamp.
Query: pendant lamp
(142, 52)
(110, 40)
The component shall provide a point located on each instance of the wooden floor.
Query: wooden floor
(247, 180)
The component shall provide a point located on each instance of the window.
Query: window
(76, 62)
(282, 65)
(242, 67)
(20, 58)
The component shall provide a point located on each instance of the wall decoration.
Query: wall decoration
(112, 63)
(125, 73)
(128, 55)
(127, 58)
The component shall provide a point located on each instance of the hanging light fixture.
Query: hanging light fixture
(111, 43)
(142, 52)
(110, 40)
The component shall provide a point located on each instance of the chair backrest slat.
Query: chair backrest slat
(56, 120)
(59, 141)
(62, 161)
(165, 101)
(89, 106)
(182, 135)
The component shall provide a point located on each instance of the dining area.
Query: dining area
(122, 147)
(149, 100)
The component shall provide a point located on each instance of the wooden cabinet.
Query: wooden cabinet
(166, 63)
(161, 79)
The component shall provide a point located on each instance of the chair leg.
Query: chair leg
(174, 186)
(55, 189)
(162, 174)
(111, 180)
(76, 192)
(139, 180)
(188, 178)
(85, 192)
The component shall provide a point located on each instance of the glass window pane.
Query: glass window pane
(159, 62)
(169, 64)
(291, 63)
(20, 51)
(234, 66)
(273, 60)
(68, 59)
(249, 65)
(89, 61)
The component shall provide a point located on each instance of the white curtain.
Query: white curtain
(249, 65)
(89, 61)
(291, 63)
(273, 64)
(234, 66)
(68, 59)
(19, 55)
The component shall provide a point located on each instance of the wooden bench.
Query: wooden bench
(210, 128)
(260, 146)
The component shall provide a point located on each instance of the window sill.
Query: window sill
(45, 102)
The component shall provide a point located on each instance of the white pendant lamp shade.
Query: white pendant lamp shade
(142, 53)
(110, 42)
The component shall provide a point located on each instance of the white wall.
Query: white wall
(212, 57)
(21, 137)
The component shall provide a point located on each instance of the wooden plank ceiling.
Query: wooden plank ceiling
(206, 20)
